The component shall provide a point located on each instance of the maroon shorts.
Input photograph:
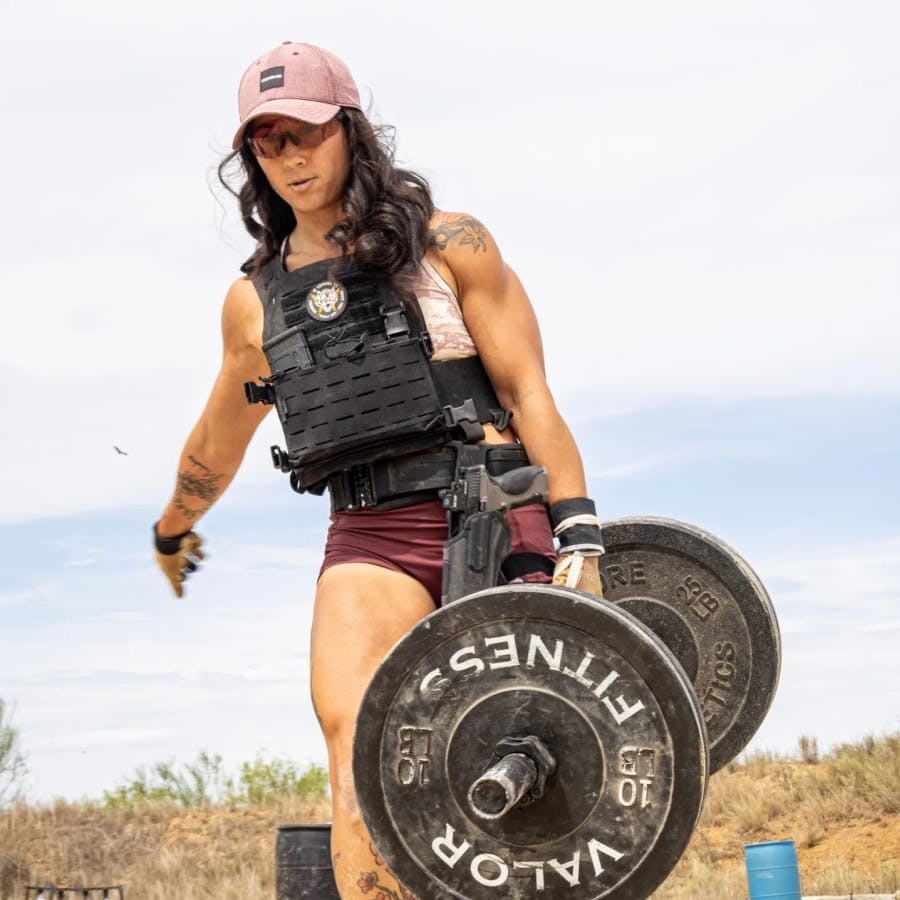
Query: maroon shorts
(411, 540)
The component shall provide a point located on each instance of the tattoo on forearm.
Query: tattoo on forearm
(199, 464)
(369, 881)
(203, 485)
(463, 229)
(187, 512)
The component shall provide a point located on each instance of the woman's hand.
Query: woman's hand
(577, 527)
(177, 557)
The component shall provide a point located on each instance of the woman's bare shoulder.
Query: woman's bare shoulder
(242, 314)
(467, 248)
(449, 230)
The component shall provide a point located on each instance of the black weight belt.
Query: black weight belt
(394, 483)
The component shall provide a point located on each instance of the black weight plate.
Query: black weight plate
(710, 608)
(600, 691)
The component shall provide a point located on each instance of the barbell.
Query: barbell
(530, 741)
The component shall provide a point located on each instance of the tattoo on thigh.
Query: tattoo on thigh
(370, 881)
(463, 229)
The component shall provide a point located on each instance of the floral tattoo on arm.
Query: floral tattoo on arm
(459, 228)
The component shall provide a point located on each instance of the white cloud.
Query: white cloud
(889, 625)
(28, 595)
(841, 669)
(860, 577)
(239, 557)
(105, 737)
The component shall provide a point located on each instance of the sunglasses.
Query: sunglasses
(269, 144)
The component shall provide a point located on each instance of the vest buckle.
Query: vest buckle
(395, 324)
(464, 420)
(259, 393)
(280, 459)
(501, 418)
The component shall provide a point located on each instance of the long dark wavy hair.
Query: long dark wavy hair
(387, 208)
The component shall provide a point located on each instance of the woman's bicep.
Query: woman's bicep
(499, 317)
(505, 331)
(228, 418)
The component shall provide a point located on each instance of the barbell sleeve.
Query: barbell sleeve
(502, 786)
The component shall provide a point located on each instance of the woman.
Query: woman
(341, 230)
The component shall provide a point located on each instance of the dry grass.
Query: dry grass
(159, 851)
(843, 812)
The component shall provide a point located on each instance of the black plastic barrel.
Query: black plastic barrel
(303, 868)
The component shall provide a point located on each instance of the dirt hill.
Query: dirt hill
(843, 814)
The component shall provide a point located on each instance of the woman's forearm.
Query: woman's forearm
(203, 475)
(539, 426)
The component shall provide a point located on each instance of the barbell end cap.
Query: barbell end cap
(496, 792)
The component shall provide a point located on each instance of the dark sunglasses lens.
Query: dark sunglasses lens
(266, 146)
(270, 145)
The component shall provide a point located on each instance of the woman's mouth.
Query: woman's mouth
(301, 184)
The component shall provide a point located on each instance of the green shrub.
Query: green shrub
(204, 782)
(193, 785)
(263, 781)
(12, 761)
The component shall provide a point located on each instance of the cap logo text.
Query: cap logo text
(271, 78)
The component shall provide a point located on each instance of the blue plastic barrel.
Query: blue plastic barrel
(772, 872)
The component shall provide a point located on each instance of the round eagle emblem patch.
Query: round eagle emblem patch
(326, 301)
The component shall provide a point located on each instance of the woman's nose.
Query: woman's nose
(294, 154)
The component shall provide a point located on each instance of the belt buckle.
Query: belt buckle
(362, 487)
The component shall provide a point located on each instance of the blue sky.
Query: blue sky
(702, 201)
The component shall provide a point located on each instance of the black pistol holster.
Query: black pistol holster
(476, 504)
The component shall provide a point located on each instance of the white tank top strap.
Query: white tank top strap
(443, 316)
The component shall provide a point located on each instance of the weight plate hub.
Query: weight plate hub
(603, 696)
(710, 608)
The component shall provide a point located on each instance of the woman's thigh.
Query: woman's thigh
(361, 611)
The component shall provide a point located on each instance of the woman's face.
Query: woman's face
(309, 164)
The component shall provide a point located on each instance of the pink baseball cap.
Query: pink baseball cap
(296, 80)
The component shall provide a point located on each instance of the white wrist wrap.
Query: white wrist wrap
(572, 521)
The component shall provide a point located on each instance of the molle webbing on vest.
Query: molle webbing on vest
(359, 388)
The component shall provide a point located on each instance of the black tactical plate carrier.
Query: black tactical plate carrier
(360, 387)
